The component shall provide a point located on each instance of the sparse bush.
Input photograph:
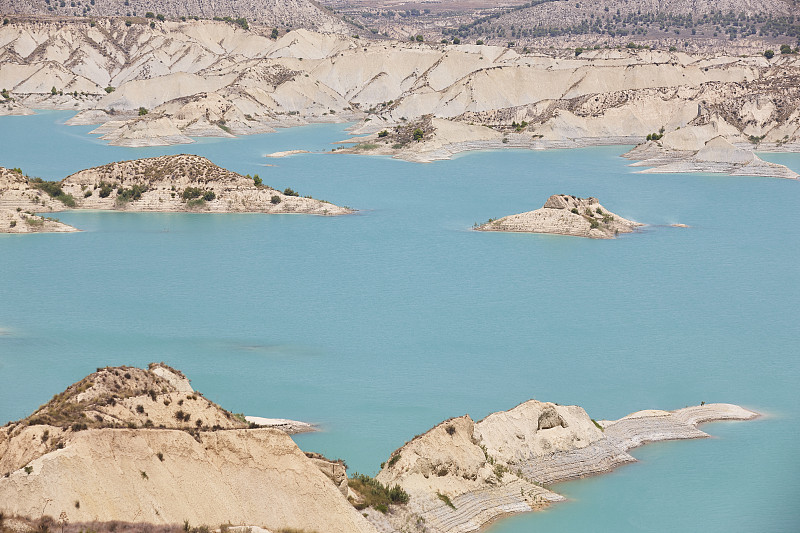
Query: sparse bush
(446, 499)
(288, 191)
(450, 429)
(375, 493)
(383, 133)
(143, 110)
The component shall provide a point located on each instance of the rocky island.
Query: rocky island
(563, 214)
(133, 445)
(166, 183)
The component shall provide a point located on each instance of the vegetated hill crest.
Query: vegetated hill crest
(142, 446)
(274, 13)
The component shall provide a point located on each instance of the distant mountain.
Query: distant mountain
(278, 13)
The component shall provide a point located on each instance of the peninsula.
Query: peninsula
(563, 214)
(166, 183)
(133, 445)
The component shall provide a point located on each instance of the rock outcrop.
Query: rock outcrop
(183, 183)
(17, 207)
(565, 215)
(165, 183)
(141, 446)
(462, 474)
(716, 155)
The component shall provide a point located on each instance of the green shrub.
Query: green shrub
(594, 224)
(288, 191)
(257, 181)
(105, 189)
(769, 54)
(28, 470)
(87, 194)
(275, 199)
(786, 49)
(143, 110)
(446, 499)
(13, 223)
(393, 460)
(109, 89)
(383, 133)
(375, 493)
(132, 194)
(149, 15)
(418, 134)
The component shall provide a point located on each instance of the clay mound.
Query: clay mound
(565, 215)
(167, 477)
(134, 445)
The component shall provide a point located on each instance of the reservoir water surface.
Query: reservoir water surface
(379, 325)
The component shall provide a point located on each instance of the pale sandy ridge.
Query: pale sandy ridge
(461, 474)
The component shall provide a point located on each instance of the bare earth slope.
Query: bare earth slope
(166, 183)
(180, 183)
(202, 78)
(462, 474)
(566, 215)
(141, 446)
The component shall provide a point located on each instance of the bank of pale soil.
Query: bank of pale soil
(166, 183)
(566, 215)
(675, 153)
(136, 445)
(140, 445)
(209, 78)
(462, 474)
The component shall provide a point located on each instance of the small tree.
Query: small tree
(257, 180)
(769, 54)
(456, 41)
(275, 199)
(420, 38)
(274, 33)
(160, 17)
(149, 15)
(53, 91)
(418, 134)
(786, 49)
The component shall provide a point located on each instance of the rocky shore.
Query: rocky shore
(167, 184)
(565, 215)
(461, 474)
(133, 445)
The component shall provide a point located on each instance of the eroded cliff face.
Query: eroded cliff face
(462, 474)
(207, 78)
(142, 446)
(162, 476)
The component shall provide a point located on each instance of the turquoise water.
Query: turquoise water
(379, 325)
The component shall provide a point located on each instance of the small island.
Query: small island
(563, 214)
(170, 183)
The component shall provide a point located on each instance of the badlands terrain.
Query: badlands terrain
(164, 84)
(133, 445)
